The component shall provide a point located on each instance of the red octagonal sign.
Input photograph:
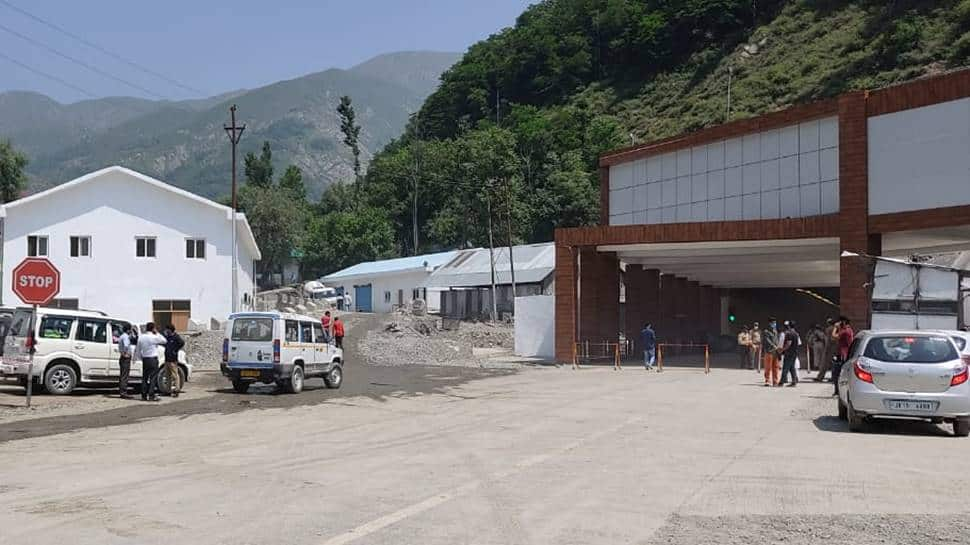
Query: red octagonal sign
(36, 281)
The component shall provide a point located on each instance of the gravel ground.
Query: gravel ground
(419, 340)
(809, 530)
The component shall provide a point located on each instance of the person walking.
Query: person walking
(789, 354)
(755, 347)
(147, 350)
(828, 352)
(744, 347)
(845, 335)
(173, 344)
(338, 332)
(816, 345)
(125, 351)
(649, 339)
(769, 340)
(326, 321)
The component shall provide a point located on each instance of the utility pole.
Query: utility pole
(417, 174)
(235, 133)
(508, 188)
(491, 253)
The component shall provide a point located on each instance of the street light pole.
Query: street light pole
(235, 133)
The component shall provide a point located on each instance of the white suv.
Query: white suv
(74, 348)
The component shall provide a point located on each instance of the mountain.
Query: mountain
(574, 78)
(183, 142)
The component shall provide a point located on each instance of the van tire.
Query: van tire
(334, 378)
(240, 386)
(60, 379)
(166, 389)
(295, 384)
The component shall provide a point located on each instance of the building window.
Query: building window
(145, 247)
(36, 246)
(80, 246)
(195, 248)
(387, 297)
(172, 311)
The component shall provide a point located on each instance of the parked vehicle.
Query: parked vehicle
(316, 290)
(908, 374)
(278, 348)
(73, 348)
(962, 340)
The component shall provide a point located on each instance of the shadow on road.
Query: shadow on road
(885, 426)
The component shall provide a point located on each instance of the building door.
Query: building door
(362, 298)
(172, 311)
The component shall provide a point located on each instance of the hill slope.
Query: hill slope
(183, 142)
(573, 78)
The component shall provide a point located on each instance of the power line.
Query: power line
(46, 75)
(97, 47)
(79, 62)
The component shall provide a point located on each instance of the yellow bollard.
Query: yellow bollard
(660, 358)
(707, 359)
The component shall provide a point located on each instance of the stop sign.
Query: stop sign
(36, 281)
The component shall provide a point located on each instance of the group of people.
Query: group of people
(333, 328)
(777, 347)
(146, 348)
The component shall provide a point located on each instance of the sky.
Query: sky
(205, 47)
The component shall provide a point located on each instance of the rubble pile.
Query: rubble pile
(203, 349)
(406, 339)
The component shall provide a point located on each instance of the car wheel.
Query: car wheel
(334, 378)
(961, 427)
(60, 379)
(843, 411)
(240, 386)
(162, 382)
(857, 422)
(295, 384)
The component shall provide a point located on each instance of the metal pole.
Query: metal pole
(491, 254)
(707, 359)
(660, 358)
(235, 133)
(508, 187)
(30, 362)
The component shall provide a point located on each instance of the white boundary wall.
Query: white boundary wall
(535, 326)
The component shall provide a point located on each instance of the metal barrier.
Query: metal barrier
(589, 352)
(662, 346)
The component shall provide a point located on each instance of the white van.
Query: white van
(74, 348)
(280, 348)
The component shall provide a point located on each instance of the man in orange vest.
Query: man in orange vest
(338, 332)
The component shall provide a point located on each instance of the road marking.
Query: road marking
(434, 501)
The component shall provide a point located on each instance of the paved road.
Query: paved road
(539, 456)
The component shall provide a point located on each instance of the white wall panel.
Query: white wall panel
(920, 158)
(760, 175)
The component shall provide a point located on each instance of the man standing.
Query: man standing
(744, 347)
(755, 347)
(769, 339)
(789, 354)
(147, 349)
(338, 332)
(326, 322)
(816, 345)
(173, 343)
(649, 339)
(124, 361)
(845, 335)
(828, 351)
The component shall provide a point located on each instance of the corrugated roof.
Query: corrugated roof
(533, 264)
(391, 266)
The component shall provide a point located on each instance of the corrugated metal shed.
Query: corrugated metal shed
(392, 266)
(533, 264)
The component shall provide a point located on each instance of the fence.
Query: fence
(678, 348)
(589, 352)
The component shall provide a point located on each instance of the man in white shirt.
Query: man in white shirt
(147, 350)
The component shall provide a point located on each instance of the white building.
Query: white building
(380, 286)
(133, 247)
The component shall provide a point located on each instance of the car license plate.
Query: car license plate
(249, 373)
(917, 406)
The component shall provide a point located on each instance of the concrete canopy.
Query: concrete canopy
(793, 263)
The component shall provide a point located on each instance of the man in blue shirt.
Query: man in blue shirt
(649, 339)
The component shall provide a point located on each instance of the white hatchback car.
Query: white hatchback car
(74, 348)
(905, 374)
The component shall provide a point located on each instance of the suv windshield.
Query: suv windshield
(252, 329)
(904, 349)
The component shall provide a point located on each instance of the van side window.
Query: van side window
(292, 332)
(55, 327)
(318, 334)
(92, 331)
(306, 332)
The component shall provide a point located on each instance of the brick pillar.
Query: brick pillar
(604, 195)
(667, 324)
(854, 207)
(642, 300)
(692, 323)
(599, 296)
(565, 319)
(710, 309)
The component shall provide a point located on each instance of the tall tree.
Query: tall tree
(351, 132)
(291, 183)
(275, 221)
(259, 168)
(12, 177)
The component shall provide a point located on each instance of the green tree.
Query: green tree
(337, 240)
(12, 177)
(291, 183)
(275, 221)
(259, 169)
(351, 132)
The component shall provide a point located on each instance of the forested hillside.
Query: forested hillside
(515, 128)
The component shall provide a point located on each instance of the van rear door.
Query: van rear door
(251, 342)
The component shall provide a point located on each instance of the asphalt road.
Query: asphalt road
(538, 456)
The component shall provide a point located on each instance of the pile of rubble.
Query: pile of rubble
(203, 349)
(407, 339)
